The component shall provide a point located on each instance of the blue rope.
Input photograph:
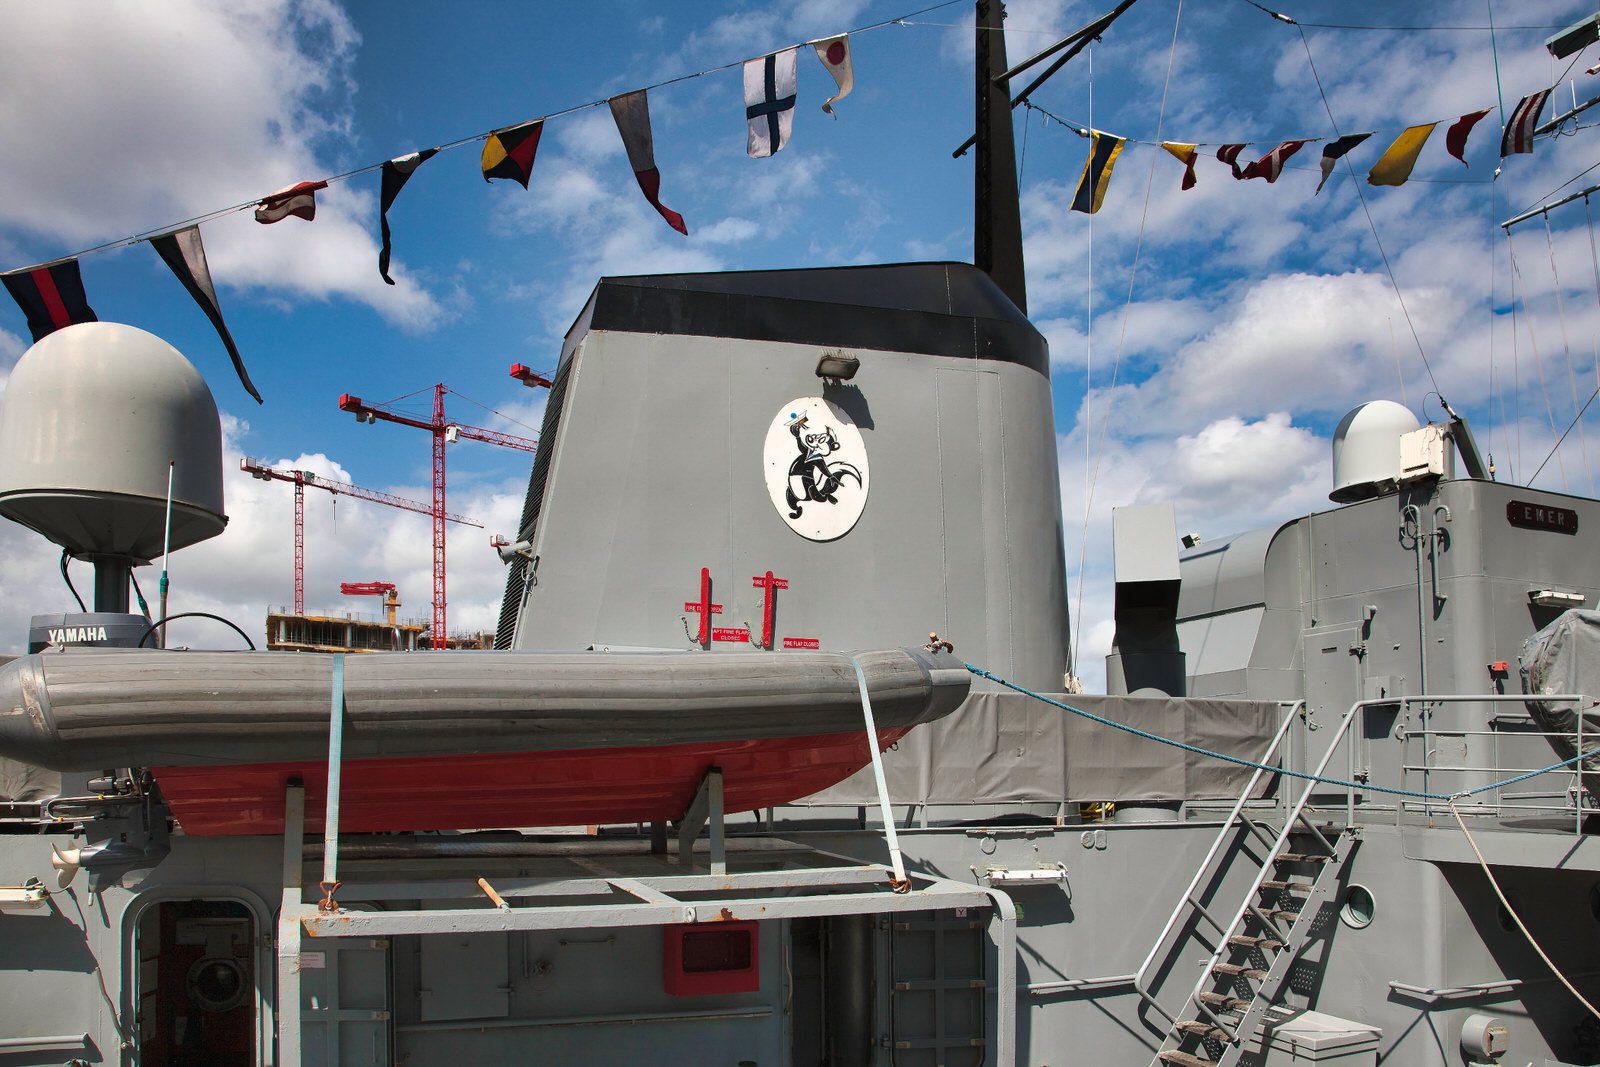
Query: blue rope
(1240, 761)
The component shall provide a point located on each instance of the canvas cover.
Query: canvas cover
(1009, 748)
(23, 783)
(1564, 657)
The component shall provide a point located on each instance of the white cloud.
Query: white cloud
(214, 105)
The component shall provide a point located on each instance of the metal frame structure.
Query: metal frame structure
(444, 431)
(824, 884)
(300, 479)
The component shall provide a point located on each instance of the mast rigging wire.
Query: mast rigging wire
(1122, 336)
(1572, 377)
(1538, 361)
(1367, 211)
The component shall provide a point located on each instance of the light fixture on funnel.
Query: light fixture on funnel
(837, 367)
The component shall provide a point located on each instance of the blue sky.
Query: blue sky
(1257, 315)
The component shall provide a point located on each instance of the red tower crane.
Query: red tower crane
(387, 590)
(258, 469)
(443, 431)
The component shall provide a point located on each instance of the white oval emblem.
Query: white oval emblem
(816, 467)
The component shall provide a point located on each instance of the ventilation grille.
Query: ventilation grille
(511, 604)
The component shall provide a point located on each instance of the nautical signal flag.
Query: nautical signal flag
(631, 112)
(299, 200)
(1455, 138)
(50, 295)
(1185, 154)
(396, 172)
(1103, 152)
(182, 251)
(1337, 150)
(509, 153)
(1518, 136)
(1270, 165)
(835, 56)
(1394, 166)
(769, 90)
(1229, 154)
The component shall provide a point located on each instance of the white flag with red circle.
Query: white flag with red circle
(835, 55)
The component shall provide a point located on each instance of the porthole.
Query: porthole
(217, 983)
(1502, 916)
(1359, 907)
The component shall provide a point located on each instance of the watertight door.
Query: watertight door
(344, 1003)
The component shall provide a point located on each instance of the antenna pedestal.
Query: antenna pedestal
(111, 575)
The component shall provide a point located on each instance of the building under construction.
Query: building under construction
(342, 632)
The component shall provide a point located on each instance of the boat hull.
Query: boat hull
(573, 787)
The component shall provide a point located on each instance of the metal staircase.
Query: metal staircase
(1240, 983)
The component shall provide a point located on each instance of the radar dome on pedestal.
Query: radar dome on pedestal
(91, 417)
(1366, 450)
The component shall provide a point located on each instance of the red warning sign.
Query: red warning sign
(802, 642)
(729, 633)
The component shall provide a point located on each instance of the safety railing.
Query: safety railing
(1499, 753)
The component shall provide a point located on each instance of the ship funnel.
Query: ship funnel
(1366, 450)
(91, 418)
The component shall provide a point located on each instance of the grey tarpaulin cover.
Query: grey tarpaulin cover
(1007, 748)
(1564, 657)
(23, 783)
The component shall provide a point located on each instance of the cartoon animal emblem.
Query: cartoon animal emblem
(812, 476)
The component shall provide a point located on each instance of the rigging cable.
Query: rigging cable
(211, 216)
(1572, 377)
(1087, 422)
(1516, 363)
(492, 411)
(1568, 430)
(1122, 336)
(1373, 226)
(1494, 46)
(1594, 260)
(1506, 904)
(1538, 362)
(1449, 798)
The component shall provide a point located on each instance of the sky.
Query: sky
(1203, 343)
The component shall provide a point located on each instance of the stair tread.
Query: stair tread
(1185, 1059)
(1200, 1028)
(1223, 1002)
(1269, 944)
(1285, 884)
(1302, 857)
(1239, 970)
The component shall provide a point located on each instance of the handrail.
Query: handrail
(1226, 830)
(1295, 813)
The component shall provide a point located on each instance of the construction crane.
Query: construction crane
(258, 469)
(444, 432)
(387, 590)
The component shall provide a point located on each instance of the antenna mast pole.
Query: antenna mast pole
(997, 216)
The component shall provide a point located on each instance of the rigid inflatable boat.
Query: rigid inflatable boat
(470, 739)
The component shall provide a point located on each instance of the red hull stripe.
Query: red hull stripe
(572, 787)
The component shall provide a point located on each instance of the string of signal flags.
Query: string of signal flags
(1394, 167)
(52, 295)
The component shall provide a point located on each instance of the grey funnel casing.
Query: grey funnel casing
(91, 416)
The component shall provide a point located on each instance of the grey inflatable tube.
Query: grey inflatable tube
(87, 709)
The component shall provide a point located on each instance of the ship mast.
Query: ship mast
(997, 215)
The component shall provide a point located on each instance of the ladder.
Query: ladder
(1240, 982)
